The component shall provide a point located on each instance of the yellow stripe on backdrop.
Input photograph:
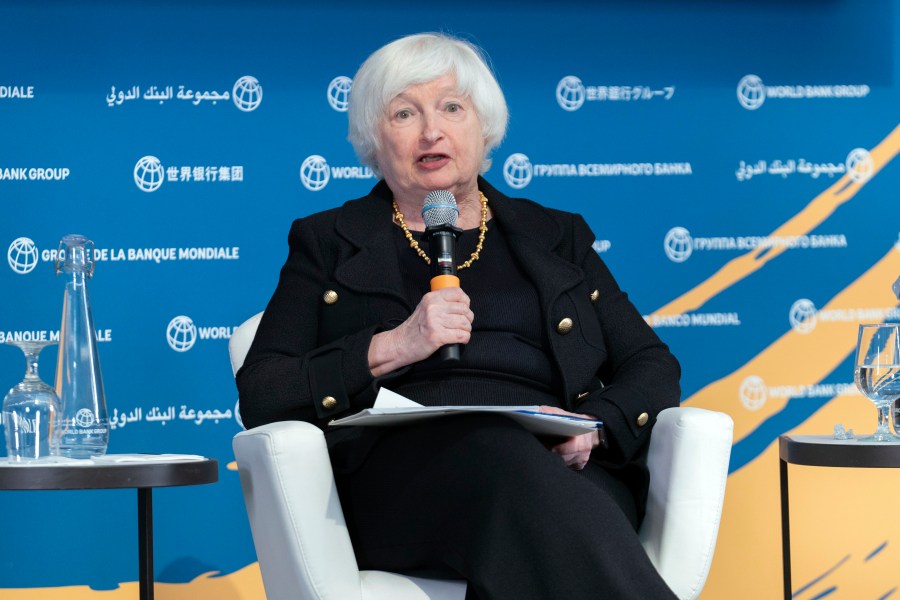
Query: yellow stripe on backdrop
(244, 584)
(838, 516)
(844, 541)
(797, 359)
(815, 213)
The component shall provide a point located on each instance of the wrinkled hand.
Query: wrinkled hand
(442, 317)
(576, 450)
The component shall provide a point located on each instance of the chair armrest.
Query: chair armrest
(690, 449)
(241, 338)
(295, 514)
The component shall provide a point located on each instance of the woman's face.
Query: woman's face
(431, 139)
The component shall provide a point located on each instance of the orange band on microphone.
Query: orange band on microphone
(439, 282)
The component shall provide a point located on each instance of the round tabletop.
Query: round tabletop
(825, 451)
(108, 475)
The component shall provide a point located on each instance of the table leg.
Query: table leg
(145, 543)
(785, 530)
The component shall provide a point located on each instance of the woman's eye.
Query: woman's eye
(453, 107)
(404, 113)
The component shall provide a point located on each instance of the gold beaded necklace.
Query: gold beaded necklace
(482, 229)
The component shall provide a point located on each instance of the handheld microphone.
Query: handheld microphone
(440, 214)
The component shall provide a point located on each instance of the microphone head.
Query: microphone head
(440, 209)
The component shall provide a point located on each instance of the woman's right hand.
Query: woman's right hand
(442, 317)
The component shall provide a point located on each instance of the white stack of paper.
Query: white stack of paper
(393, 409)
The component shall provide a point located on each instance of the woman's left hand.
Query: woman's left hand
(576, 450)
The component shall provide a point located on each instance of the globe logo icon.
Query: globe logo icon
(678, 244)
(753, 393)
(339, 93)
(751, 92)
(802, 316)
(181, 333)
(859, 164)
(570, 93)
(247, 93)
(84, 418)
(517, 171)
(314, 173)
(22, 255)
(149, 174)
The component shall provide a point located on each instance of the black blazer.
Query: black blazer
(341, 285)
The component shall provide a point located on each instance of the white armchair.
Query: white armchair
(304, 549)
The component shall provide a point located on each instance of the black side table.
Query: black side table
(823, 451)
(141, 475)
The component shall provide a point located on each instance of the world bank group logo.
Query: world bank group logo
(570, 93)
(22, 255)
(678, 244)
(84, 418)
(517, 171)
(860, 165)
(181, 333)
(753, 393)
(802, 316)
(314, 173)
(751, 92)
(149, 174)
(247, 93)
(339, 93)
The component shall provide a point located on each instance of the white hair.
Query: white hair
(416, 59)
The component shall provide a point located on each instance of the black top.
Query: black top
(506, 361)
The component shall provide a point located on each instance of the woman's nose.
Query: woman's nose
(431, 130)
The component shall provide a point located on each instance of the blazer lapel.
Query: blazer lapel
(534, 237)
(366, 224)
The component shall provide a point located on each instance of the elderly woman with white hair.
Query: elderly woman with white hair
(540, 321)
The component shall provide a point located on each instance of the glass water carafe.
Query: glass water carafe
(84, 423)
